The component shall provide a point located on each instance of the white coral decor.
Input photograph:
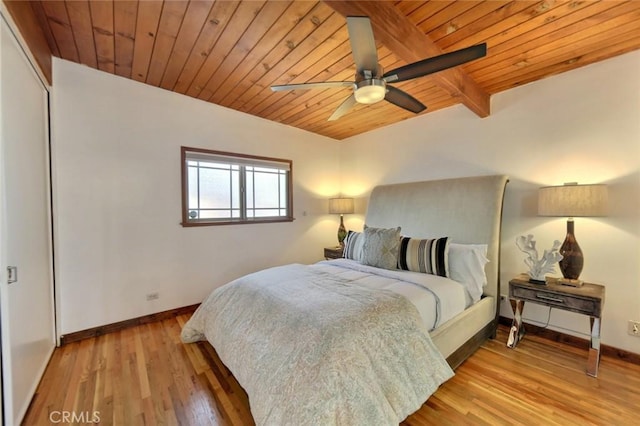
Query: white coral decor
(539, 267)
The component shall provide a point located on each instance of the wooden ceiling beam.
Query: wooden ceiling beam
(408, 43)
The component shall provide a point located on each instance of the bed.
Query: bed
(347, 341)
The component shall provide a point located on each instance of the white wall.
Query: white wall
(116, 160)
(579, 126)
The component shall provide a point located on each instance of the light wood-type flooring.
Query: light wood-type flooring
(145, 376)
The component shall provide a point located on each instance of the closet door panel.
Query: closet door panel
(26, 292)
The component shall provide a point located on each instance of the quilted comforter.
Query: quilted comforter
(313, 348)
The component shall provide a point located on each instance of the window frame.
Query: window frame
(187, 222)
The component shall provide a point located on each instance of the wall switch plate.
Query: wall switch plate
(634, 328)
(153, 296)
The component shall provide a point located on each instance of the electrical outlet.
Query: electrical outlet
(634, 328)
(153, 296)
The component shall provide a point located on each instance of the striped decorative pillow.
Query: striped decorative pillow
(429, 256)
(353, 246)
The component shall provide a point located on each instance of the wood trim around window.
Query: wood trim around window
(185, 190)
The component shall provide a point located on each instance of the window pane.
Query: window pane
(215, 191)
(266, 213)
(215, 165)
(283, 189)
(266, 190)
(266, 169)
(193, 187)
(215, 214)
(235, 189)
(249, 184)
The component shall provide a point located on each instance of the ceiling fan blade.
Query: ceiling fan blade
(437, 63)
(404, 100)
(343, 108)
(363, 45)
(306, 86)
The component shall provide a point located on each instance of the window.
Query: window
(225, 188)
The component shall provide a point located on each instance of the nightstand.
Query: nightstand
(586, 300)
(333, 252)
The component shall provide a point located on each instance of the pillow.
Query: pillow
(380, 247)
(466, 265)
(429, 256)
(353, 246)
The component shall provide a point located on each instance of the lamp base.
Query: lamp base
(342, 233)
(572, 260)
(570, 282)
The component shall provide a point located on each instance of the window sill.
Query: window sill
(235, 222)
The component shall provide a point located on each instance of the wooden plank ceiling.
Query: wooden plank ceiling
(231, 52)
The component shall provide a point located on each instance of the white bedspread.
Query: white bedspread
(312, 347)
(437, 299)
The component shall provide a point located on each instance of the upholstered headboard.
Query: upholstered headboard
(468, 210)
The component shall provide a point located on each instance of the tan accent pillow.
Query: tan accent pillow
(380, 247)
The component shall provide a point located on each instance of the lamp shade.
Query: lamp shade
(341, 205)
(572, 200)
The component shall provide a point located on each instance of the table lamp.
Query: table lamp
(572, 200)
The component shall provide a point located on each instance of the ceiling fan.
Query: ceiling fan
(371, 85)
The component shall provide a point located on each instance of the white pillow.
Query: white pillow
(466, 265)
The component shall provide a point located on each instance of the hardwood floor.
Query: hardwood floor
(146, 376)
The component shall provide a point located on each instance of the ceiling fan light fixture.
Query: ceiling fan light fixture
(370, 91)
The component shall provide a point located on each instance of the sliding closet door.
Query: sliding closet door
(26, 294)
